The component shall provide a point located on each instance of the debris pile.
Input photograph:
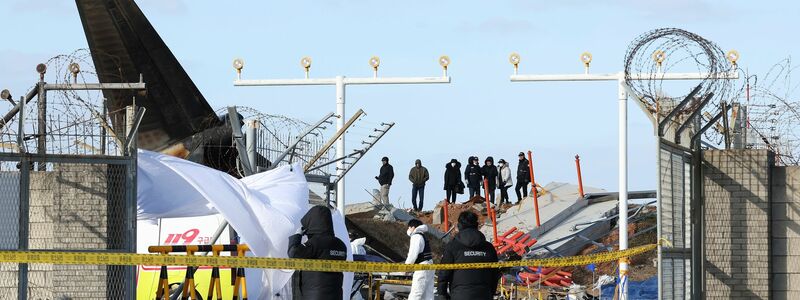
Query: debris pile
(514, 242)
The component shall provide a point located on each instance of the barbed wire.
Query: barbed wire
(76, 119)
(774, 112)
(664, 50)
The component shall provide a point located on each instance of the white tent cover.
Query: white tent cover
(265, 208)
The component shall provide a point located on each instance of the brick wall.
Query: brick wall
(737, 213)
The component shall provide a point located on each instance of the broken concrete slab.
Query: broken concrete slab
(363, 207)
(437, 216)
(556, 240)
(401, 215)
(479, 207)
(557, 201)
(384, 215)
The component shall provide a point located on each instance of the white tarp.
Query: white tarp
(265, 208)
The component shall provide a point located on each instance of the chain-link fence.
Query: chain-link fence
(66, 185)
(79, 203)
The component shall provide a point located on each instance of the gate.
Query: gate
(674, 190)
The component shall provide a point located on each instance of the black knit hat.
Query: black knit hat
(385, 159)
(467, 219)
(414, 223)
(521, 154)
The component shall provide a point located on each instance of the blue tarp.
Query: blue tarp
(646, 289)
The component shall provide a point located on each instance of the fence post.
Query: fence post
(250, 144)
(41, 144)
(490, 210)
(534, 190)
(24, 203)
(580, 179)
(446, 214)
(130, 195)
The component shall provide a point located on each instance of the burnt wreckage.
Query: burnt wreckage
(179, 121)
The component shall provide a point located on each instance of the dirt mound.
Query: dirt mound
(389, 238)
(475, 204)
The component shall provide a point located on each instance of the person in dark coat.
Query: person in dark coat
(385, 179)
(523, 177)
(474, 177)
(489, 171)
(452, 179)
(317, 225)
(418, 177)
(468, 246)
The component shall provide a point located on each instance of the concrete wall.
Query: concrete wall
(737, 213)
(69, 210)
(785, 232)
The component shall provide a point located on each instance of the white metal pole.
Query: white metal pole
(340, 144)
(340, 82)
(623, 186)
(623, 138)
(250, 144)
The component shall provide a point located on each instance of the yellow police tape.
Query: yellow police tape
(128, 259)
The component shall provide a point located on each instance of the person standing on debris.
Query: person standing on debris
(418, 176)
(468, 246)
(472, 174)
(523, 177)
(385, 179)
(489, 172)
(419, 252)
(317, 225)
(452, 180)
(505, 180)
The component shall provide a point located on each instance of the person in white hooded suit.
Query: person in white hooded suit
(419, 252)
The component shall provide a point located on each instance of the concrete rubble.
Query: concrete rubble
(569, 225)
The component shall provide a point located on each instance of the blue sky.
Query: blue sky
(481, 113)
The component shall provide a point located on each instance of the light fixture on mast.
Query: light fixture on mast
(732, 57)
(375, 62)
(586, 58)
(444, 61)
(659, 57)
(41, 69)
(74, 68)
(305, 62)
(514, 59)
(238, 64)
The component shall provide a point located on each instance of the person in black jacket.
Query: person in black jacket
(489, 171)
(385, 179)
(317, 224)
(468, 246)
(472, 173)
(452, 179)
(523, 177)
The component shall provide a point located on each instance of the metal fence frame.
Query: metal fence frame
(128, 241)
(675, 174)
